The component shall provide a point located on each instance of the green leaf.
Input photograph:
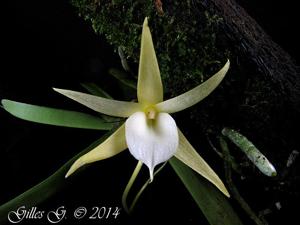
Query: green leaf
(52, 116)
(190, 157)
(211, 201)
(45, 189)
(122, 77)
(94, 89)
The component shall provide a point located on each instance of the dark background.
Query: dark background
(45, 45)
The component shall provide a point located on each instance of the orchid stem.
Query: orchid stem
(136, 198)
(129, 185)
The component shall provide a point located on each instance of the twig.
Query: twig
(214, 147)
(234, 191)
(230, 159)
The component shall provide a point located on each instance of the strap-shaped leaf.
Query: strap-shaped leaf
(195, 95)
(52, 116)
(45, 189)
(188, 155)
(94, 89)
(212, 203)
(122, 78)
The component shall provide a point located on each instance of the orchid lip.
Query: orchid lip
(151, 141)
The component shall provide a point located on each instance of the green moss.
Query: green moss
(191, 45)
(184, 37)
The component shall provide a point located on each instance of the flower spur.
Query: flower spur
(150, 133)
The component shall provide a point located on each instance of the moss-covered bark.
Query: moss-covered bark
(184, 37)
(191, 43)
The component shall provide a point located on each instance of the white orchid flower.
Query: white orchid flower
(150, 133)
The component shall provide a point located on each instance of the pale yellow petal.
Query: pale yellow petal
(102, 105)
(188, 155)
(113, 145)
(150, 89)
(195, 95)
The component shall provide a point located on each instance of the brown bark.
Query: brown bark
(251, 40)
